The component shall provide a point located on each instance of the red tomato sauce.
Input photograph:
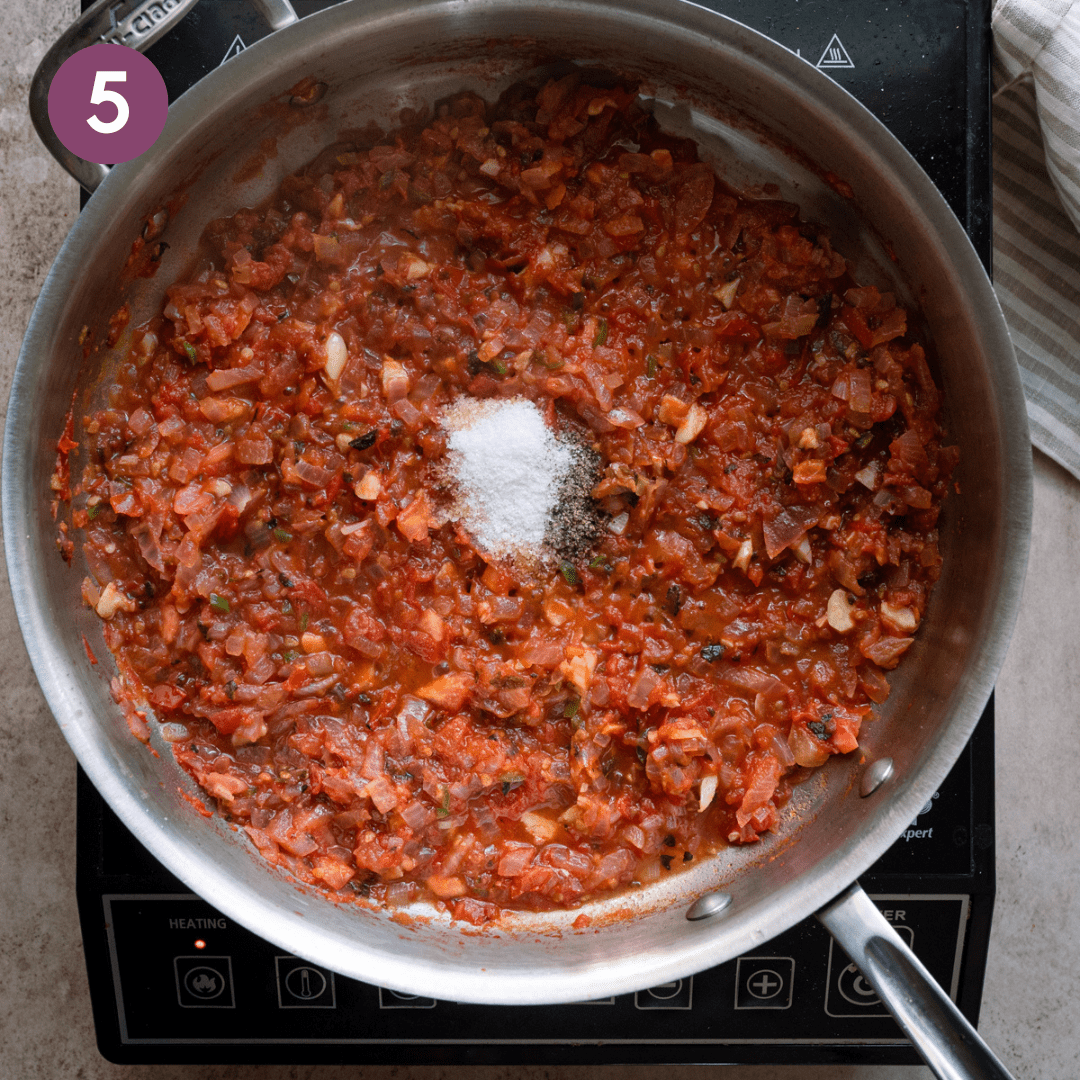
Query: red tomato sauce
(390, 713)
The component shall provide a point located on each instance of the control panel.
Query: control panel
(184, 974)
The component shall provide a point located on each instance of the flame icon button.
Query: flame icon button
(204, 982)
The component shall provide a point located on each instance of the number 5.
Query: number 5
(99, 95)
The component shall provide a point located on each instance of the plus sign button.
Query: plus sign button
(764, 982)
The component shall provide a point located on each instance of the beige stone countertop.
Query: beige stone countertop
(1031, 1010)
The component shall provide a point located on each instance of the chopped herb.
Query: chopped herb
(444, 810)
(711, 653)
(570, 708)
(569, 320)
(281, 536)
(289, 655)
(569, 572)
(93, 511)
(230, 689)
(650, 365)
(601, 333)
(674, 600)
(363, 442)
(599, 563)
(189, 351)
(818, 729)
(219, 603)
(285, 582)
(499, 366)
(386, 179)
(510, 781)
(284, 315)
(286, 607)
(642, 755)
(303, 622)
(863, 441)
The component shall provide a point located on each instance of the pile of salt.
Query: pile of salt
(509, 468)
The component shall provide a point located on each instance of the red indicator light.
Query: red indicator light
(200, 944)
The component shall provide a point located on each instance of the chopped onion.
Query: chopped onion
(415, 268)
(782, 751)
(369, 487)
(113, 600)
(801, 550)
(395, 381)
(543, 830)
(317, 689)
(901, 620)
(726, 293)
(868, 477)
(707, 792)
(692, 425)
(625, 418)
(806, 750)
(742, 557)
(838, 612)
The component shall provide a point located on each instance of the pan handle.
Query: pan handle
(134, 23)
(936, 1027)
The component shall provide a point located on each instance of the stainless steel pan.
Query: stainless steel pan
(762, 115)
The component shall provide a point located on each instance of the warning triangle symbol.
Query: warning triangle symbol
(835, 55)
(235, 49)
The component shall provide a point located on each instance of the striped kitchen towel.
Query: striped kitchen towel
(1036, 120)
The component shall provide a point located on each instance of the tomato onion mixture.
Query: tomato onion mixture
(387, 711)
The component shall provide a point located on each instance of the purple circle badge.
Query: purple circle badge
(108, 103)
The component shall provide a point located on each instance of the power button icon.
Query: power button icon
(849, 993)
(854, 988)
